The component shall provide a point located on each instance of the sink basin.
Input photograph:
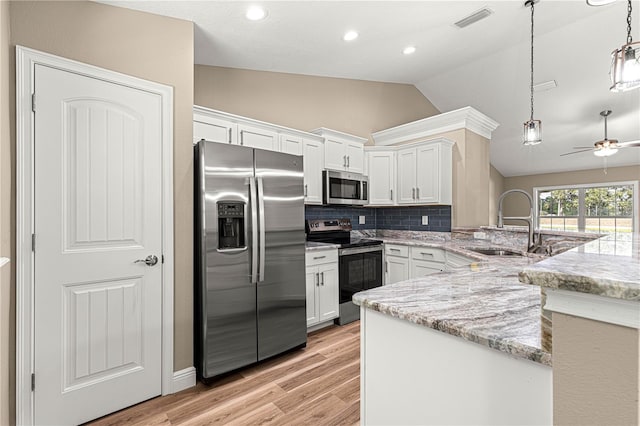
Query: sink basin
(495, 252)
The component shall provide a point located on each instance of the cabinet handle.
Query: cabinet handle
(241, 137)
(418, 193)
(426, 254)
(317, 279)
(305, 190)
(229, 134)
(391, 194)
(318, 257)
(348, 161)
(413, 193)
(344, 161)
(322, 276)
(386, 267)
(394, 249)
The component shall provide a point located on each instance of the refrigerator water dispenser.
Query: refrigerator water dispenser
(231, 225)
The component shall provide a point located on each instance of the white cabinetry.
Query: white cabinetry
(426, 261)
(405, 262)
(396, 263)
(313, 157)
(291, 144)
(213, 129)
(382, 173)
(322, 286)
(343, 152)
(258, 137)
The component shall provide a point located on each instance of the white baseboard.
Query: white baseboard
(183, 379)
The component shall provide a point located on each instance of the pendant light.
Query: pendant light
(532, 128)
(625, 62)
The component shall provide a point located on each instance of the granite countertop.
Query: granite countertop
(607, 267)
(313, 246)
(482, 303)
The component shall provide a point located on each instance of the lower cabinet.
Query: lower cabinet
(404, 262)
(322, 286)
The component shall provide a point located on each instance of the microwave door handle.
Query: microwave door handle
(261, 225)
(254, 230)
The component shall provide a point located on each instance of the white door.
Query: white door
(421, 268)
(312, 282)
(258, 138)
(407, 176)
(355, 157)
(381, 177)
(328, 292)
(335, 157)
(98, 152)
(313, 161)
(291, 144)
(427, 182)
(213, 129)
(397, 269)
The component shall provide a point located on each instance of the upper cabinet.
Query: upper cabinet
(342, 151)
(222, 127)
(381, 169)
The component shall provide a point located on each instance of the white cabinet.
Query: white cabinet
(343, 152)
(214, 129)
(426, 261)
(404, 262)
(257, 137)
(291, 144)
(382, 173)
(313, 159)
(322, 286)
(455, 260)
(407, 176)
(396, 263)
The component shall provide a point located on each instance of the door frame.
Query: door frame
(26, 60)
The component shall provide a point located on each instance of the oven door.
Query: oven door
(344, 188)
(360, 269)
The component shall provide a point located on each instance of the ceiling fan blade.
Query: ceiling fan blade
(628, 144)
(576, 152)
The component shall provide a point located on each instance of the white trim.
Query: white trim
(464, 118)
(26, 60)
(395, 148)
(599, 308)
(329, 133)
(183, 379)
(636, 197)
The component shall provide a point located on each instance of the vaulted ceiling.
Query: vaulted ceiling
(485, 65)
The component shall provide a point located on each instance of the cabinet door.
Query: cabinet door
(406, 176)
(427, 176)
(335, 157)
(328, 292)
(256, 137)
(214, 129)
(313, 160)
(421, 268)
(312, 282)
(397, 269)
(355, 157)
(381, 177)
(291, 144)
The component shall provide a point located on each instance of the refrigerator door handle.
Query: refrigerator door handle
(254, 230)
(261, 225)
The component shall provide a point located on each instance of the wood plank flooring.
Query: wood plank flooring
(318, 385)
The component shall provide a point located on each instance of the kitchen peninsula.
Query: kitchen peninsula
(464, 346)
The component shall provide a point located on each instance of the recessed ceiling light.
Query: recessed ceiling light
(599, 2)
(350, 35)
(256, 13)
(409, 50)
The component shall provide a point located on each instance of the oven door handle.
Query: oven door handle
(358, 250)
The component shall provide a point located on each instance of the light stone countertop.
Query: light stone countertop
(313, 246)
(606, 267)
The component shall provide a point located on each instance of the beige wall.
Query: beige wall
(306, 102)
(7, 354)
(516, 205)
(496, 187)
(596, 372)
(148, 46)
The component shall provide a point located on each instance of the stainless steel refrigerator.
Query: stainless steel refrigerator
(250, 296)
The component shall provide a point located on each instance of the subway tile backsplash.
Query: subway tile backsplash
(394, 218)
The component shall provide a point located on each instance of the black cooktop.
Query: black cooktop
(336, 231)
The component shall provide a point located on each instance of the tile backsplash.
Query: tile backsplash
(395, 218)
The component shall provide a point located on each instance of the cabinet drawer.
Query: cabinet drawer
(428, 253)
(317, 257)
(396, 250)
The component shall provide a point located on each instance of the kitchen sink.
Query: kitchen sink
(495, 252)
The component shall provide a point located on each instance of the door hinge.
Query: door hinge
(33, 243)
(33, 382)
(33, 102)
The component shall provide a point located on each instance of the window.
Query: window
(607, 208)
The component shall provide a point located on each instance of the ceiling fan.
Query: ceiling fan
(605, 147)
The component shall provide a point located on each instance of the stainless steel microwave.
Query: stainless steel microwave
(344, 188)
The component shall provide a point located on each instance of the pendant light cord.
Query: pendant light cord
(531, 82)
(629, 39)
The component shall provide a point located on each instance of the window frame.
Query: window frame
(635, 222)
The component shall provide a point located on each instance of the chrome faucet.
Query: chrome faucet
(528, 219)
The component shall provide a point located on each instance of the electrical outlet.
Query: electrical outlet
(425, 220)
(480, 235)
(361, 220)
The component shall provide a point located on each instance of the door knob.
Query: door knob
(149, 260)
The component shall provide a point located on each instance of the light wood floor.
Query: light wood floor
(318, 385)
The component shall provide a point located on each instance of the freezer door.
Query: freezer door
(225, 297)
(281, 283)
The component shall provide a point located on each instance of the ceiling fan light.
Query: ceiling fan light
(625, 68)
(605, 152)
(532, 132)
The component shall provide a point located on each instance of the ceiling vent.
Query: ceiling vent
(474, 17)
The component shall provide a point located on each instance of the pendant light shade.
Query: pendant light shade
(625, 62)
(532, 128)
